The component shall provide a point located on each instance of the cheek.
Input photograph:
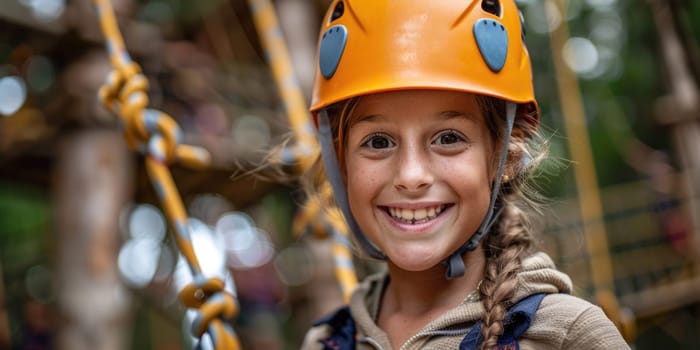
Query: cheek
(470, 176)
(361, 177)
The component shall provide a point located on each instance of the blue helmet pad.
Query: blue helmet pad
(331, 49)
(492, 39)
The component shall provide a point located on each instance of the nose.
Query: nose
(413, 173)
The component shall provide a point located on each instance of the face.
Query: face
(419, 166)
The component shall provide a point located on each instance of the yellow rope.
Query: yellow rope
(158, 136)
(269, 32)
(319, 222)
(305, 150)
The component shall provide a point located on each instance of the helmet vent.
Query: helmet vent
(338, 11)
(491, 6)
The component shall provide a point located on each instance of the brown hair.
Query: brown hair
(511, 237)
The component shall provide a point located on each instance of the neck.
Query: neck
(429, 292)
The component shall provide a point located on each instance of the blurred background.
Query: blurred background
(86, 257)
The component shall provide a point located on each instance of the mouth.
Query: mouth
(416, 216)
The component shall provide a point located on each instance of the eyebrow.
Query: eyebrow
(368, 118)
(447, 115)
(451, 114)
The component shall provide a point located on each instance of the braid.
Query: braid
(504, 251)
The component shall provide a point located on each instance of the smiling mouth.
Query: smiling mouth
(415, 216)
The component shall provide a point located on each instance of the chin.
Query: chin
(416, 261)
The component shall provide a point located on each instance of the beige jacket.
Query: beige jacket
(561, 322)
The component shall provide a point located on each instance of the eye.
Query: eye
(377, 141)
(449, 137)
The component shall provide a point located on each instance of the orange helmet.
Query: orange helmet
(475, 46)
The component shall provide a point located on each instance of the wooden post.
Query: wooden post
(680, 109)
(580, 149)
(590, 204)
(92, 183)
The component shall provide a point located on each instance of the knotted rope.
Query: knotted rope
(302, 154)
(157, 136)
(316, 220)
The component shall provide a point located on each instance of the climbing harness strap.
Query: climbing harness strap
(516, 321)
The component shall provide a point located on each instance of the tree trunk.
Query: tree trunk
(92, 183)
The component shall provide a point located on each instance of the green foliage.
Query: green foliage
(24, 221)
(620, 100)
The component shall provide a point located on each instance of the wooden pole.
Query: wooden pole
(590, 204)
(580, 148)
(680, 109)
(92, 183)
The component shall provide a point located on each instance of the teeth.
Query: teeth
(416, 215)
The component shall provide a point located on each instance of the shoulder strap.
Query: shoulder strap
(516, 321)
(343, 330)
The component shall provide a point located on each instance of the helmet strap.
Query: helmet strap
(455, 264)
(330, 162)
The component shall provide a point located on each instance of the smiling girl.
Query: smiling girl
(427, 119)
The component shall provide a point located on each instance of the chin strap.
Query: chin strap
(330, 162)
(455, 264)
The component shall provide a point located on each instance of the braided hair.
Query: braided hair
(510, 239)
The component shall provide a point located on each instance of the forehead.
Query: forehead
(417, 101)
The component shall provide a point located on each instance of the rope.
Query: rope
(157, 136)
(302, 155)
(314, 220)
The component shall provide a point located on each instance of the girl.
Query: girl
(427, 120)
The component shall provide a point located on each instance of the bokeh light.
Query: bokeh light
(40, 73)
(46, 10)
(601, 3)
(607, 28)
(138, 261)
(580, 54)
(166, 264)
(13, 93)
(146, 221)
(208, 247)
(246, 245)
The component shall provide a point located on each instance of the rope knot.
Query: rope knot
(215, 308)
(147, 130)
